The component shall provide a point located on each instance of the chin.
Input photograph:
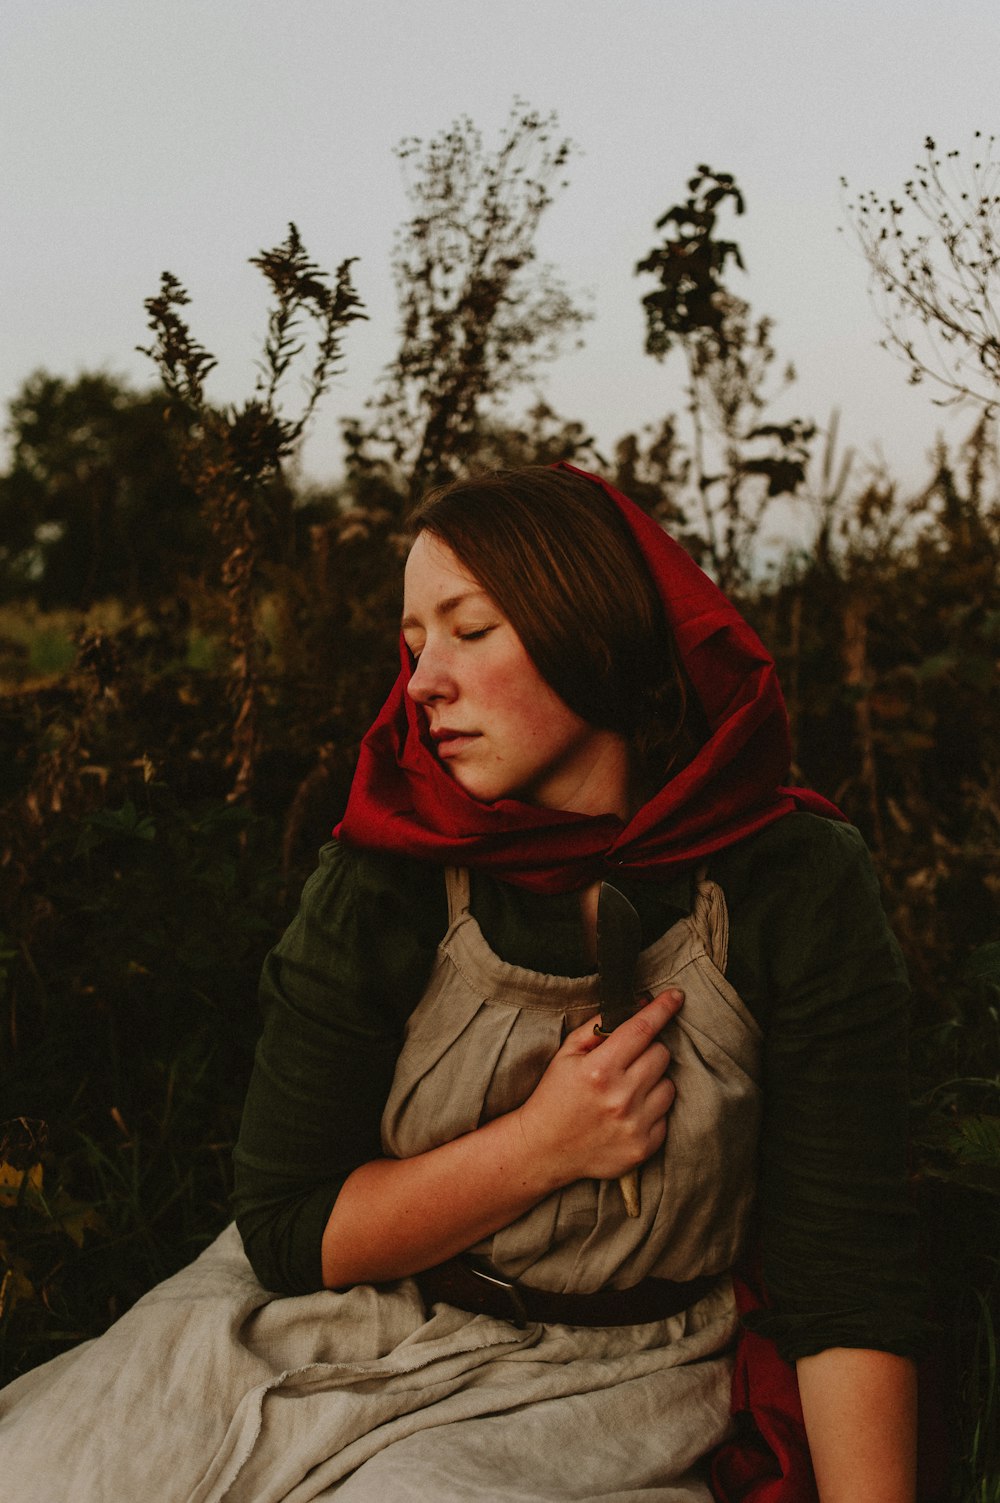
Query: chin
(481, 789)
(483, 795)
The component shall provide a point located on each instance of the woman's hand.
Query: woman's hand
(597, 1111)
(600, 1108)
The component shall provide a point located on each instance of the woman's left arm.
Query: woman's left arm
(811, 950)
(838, 1229)
(860, 1409)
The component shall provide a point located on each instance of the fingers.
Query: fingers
(600, 1107)
(661, 1098)
(634, 1035)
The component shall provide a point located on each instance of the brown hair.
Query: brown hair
(555, 554)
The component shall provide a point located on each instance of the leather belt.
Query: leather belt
(472, 1283)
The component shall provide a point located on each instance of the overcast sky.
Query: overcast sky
(138, 135)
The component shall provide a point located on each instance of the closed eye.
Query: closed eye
(462, 636)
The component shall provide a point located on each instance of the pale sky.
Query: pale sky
(138, 135)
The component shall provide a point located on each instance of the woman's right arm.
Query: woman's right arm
(315, 1202)
(598, 1110)
(335, 994)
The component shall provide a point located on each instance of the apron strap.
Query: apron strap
(456, 881)
(711, 918)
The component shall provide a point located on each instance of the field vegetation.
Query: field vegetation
(191, 645)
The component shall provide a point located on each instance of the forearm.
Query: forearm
(394, 1217)
(860, 1410)
(598, 1110)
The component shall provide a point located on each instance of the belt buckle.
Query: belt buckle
(481, 1268)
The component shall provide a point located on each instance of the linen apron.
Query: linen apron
(212, 1390)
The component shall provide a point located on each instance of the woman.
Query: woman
(576, 701)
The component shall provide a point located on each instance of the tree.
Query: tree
(738, 463)
(477, 313)
(94, 503)
(934, 256)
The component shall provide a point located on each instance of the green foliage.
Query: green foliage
(129, 1019)
(690, 264)
(956, 1130)
(234, 458)
(886, 644)
(735, 462)
(253, 440)
(94, 503)
(162, 796)
(980, 1462)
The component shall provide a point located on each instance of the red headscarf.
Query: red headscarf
(403, 800)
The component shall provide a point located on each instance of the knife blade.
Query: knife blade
(619, 940)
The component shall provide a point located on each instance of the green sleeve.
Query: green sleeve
(813, 955)
(335, 994)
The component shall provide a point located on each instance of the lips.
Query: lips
(448, 743)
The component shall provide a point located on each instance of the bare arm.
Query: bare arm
(860, 1410)
(598, 1110)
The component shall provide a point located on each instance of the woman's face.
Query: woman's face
(497, 726)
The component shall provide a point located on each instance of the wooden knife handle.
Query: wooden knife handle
(630, 1191)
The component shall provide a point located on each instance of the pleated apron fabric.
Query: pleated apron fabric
(211, 1388)
(478, 1043)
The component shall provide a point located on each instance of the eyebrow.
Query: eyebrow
(443, 608)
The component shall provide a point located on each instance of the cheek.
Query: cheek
(519, 704)
(513, 706)
(505, 687)
(534, 713)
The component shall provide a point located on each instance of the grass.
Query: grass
(38, 647)
(978, 1464)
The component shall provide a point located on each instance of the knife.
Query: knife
(619, 940)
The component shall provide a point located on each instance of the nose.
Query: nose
(430, 679)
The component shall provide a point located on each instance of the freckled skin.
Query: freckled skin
(514, 736)
(500, 731)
